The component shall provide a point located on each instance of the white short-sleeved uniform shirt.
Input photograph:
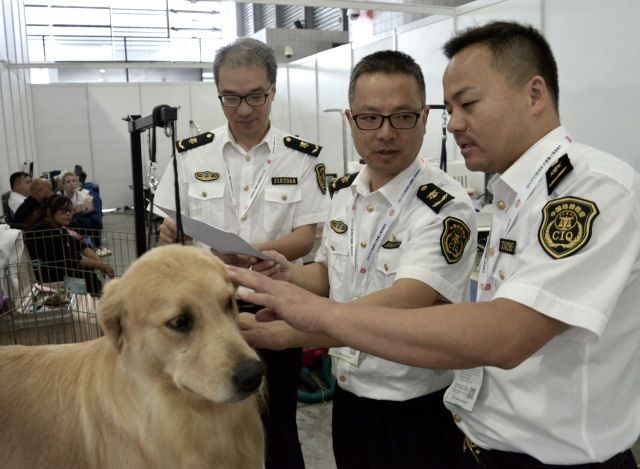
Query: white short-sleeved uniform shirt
(15, 200)
(577, 399)
(414, 248)
(292, 194)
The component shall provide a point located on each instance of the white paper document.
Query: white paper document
(220, 240)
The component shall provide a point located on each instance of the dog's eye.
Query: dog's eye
(181, 323)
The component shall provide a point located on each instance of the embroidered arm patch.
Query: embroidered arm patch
(455, 236)
(566, 225)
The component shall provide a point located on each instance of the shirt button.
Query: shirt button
(363, 244)
(369, 208)
(284, 197)
(491, 252)
(502, 276)
(386, 266)
(245, 187)
(244, 218)
(457, 418)
(333, 248)
(500, 205)
(342, 378)
(204, 194)
(247, 158)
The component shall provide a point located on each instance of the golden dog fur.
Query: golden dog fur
(171, 385)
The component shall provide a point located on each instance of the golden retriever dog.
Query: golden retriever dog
(172, 384)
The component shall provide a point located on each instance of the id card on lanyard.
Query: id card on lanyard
(262, 177)
(359, 274)
(466, 385)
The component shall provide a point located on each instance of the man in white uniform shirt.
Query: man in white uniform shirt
(549, 355)
(264, 185)
(20, 186)
(402, 233)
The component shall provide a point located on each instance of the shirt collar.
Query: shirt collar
(392, 189)
(518, 174)
(228, 138)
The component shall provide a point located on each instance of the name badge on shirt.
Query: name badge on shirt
(348, 354)
(464, 390)
(507, 246)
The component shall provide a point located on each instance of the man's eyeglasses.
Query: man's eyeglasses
(253, 99)
(398, 120)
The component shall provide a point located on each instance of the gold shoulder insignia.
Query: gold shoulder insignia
(433, 196)
(566, 225)
(338, 226)
(455, 236)
(300, 145)
(341, 183)
(194, 142)
(321, 177)
(206, 176)
(557, 172)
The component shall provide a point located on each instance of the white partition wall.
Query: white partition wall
(280, 106)
(334, 68)
(303, 99)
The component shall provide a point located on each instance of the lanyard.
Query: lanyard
(380, 235)
(257, 186)
(488, 263)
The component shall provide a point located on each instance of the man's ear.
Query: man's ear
(111, 312)
(538, 94)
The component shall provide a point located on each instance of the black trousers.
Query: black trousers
(376, 434)
(279, 418)
(475, 458)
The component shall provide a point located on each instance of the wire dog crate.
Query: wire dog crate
(50, 285)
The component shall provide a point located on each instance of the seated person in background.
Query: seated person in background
(31, 210)
(85, 216)
(61, 251)
(20, 186)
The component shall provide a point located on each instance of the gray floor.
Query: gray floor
(314, 420)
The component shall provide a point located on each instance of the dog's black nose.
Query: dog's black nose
(248, 376)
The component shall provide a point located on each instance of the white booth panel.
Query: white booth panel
(596, 47)
(302, 99)
(524, 11)
(206, 110)
(280, 106)
(61, 120)
(334, 69)
(110, 141)
(360, 51)
(424, 44)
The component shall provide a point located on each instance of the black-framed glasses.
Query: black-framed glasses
(398, 120)
(253, 99)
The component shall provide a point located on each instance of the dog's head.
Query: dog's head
(173, 318)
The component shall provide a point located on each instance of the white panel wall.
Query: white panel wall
(303, 105)
(599, 68)
(16, 118)
(424, 44)
(524, 11)
(110, 143)
(334, 67)
(280, 107)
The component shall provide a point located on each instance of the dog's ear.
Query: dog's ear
(111, 311)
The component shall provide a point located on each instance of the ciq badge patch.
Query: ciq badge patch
(455, 236)
(566, 225)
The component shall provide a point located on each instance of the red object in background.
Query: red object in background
(310, 356)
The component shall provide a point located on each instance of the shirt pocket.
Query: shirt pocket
(339, 266)
(206, 201)
(387, 265)
(280, 204)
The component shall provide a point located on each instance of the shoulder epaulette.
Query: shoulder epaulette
(557, 172)
(341, 183)
(300, 145)
(433, 196)
(194, 142)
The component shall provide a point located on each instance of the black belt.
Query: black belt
(496, 459)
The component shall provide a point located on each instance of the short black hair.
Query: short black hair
(246, 52)
(519, 52)
(15, 177)
(389, 62)
(57, 202)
